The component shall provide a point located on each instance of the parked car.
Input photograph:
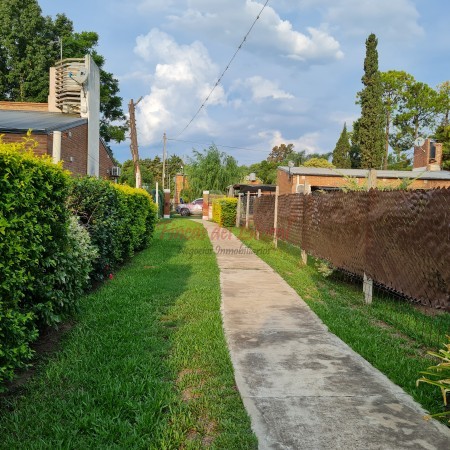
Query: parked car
(192, 208)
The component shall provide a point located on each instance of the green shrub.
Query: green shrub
(224, 211)
(56, 294)
(33, 227)
(120, 220)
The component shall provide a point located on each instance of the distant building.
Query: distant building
(426, 174)
(67, 127)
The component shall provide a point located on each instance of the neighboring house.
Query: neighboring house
(67, 127)
(240, 188)
(71, 132)
(425, 175)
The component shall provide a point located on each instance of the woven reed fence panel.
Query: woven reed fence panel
(263, 216)
(401, 239)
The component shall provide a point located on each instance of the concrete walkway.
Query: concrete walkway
(302, 386)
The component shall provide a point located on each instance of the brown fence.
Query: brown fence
(400, 239)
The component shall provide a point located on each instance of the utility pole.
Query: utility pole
(164, 162)
(134, 142)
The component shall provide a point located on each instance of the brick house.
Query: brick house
(71, 131)
(67, 127)
(426, 174)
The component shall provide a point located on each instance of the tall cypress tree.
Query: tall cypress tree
(341, 153)
(371, 125)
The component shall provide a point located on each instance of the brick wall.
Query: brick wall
(41, 139)
(106, 162)
(73, 149)
(421, 155)
(288, 186)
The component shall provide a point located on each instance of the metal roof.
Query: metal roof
(38, 122)
(363, 173)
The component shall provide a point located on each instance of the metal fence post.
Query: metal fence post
(275, 218)
(368, 282)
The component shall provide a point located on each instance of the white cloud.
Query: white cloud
(181, 80)
(229, 20)
(262, 89)
(308, 141)
(393, 18)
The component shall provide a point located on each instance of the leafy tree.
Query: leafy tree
(266, 171)
(280, 152)
(371, 125)
(24, 50)
(298, 158)
(29, 46)
(442, 134)
(417, 115)
(151, 171)
(318, 162)
(211, 170)
(341, 153)
(128, 176)
(443, 91)
(399, 161)
(326, 156)
(76, 45)
(355, 150)
(395, 84)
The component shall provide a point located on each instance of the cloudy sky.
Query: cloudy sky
(294, 80)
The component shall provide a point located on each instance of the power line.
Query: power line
(223, 73)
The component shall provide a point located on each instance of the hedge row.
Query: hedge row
(46, 256)
(224, 211)
(120, 220)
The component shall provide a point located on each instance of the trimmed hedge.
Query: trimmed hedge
(224, 211)
(47, 255)
(33, 227)
(120, 220)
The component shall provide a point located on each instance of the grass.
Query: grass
(392, 335)
(145, 367)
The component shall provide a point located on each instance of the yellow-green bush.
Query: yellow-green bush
(33, 229)
(46, 254)
(224, 211)
(120, 220)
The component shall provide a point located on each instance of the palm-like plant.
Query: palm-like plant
(439, 375)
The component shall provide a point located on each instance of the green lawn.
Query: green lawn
(145, 367)
(392, 335)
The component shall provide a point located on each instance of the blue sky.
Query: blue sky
(294, 81)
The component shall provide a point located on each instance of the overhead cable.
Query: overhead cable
(223, 73)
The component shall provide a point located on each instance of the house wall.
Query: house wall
(73, 145)
(288, 186)
(41, 140)
(106, 162)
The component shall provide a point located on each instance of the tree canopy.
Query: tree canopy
(341, 153)
(371, 125)
(211, 170)
(318, 162)
(280, 152)
(30, 45)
